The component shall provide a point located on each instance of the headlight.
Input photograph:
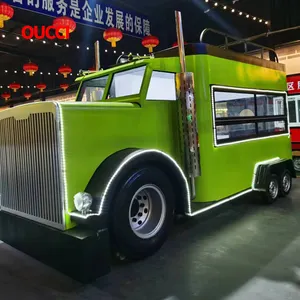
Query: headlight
(83, 202)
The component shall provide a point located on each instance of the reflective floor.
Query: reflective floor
(247, 251)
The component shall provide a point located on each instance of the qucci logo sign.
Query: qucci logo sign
(49, 32)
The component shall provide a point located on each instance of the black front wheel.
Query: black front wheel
(142, 213)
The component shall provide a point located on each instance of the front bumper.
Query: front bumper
(81, 253)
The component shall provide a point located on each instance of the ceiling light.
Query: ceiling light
(233, 10)
(77, 47)
(24, 72)
(225, 7)
(44, 42)
(240, 13)
(16, 71)
(266, 22)
(260, 20)
(3, 35)
(216, 4)
(87, 48)
(206, 1)
(105, 50)
(55, 44)
(71, 74)
(22, 86)
(28, 86)
(67, 46)
(17, 38)
(41, 73)
(254, 18)
(49, 73)
(6, 71)
(56, 74)
(115, 51)
(31, 40)
(247, 16)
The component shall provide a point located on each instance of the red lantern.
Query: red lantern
(5, 96)
(27, 95)
(63, 23)
(176, 44)
(65, 70)
(113, 35)
(6, 13)
(30, 68)
(41, 86)
(14, 86)
(64, 86)
(150, 42)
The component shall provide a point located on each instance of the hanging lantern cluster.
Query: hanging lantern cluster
(6, 13)
(150, 42)
(64, 86)
(5, 96)
(113, 35)
(30, 68)
(65, 70)
(15, 86)
(63, 23)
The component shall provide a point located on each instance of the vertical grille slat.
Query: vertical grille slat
(30, 169)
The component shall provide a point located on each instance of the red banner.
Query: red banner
(293, 84)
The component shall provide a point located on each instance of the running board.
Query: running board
(198, 208)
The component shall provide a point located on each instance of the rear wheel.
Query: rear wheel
(142, 213)
(272, 189)
(296, 161)
(285, 183)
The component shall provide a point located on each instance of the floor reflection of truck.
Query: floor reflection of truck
(182, 133)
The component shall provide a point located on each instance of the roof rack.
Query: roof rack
(238, 41)
(125, 58)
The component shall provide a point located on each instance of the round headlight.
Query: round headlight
(83, 202)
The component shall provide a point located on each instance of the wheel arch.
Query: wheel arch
(107, 177)
(264, 169)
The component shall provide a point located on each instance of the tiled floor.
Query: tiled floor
(249, 251)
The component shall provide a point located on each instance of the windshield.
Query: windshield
(93, 90)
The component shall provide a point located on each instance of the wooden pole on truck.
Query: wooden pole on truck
(97, 55)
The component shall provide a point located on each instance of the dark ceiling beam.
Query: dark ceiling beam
(9, 50)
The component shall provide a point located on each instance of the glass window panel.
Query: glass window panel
(228, 104)
(93, 90)
(271, 127)
(270, 105)
(236, 131)
(162, 86)
(127, 83)
(292, 111)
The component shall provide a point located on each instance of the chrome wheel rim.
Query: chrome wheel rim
(147, 211)
(296, 162)
(286, 183)
(273, 189)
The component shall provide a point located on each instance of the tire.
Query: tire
(272, 189)
(142, 213)
(296, 161)
(285, 183)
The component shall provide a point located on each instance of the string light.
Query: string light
(233, 10)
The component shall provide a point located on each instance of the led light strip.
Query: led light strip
(213, 87)
(233, 10)
(61, 135)
(122, 166)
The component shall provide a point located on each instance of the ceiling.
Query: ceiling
(15, 51)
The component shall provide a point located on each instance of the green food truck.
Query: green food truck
(181, 132)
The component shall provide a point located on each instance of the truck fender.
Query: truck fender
(264, 169)
(107, 177)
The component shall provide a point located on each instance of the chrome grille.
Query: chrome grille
(30, 184)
